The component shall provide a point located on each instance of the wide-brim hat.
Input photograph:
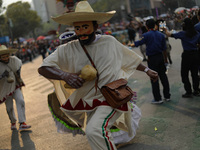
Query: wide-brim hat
(83, 12)
(5, 50)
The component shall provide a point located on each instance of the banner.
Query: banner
(4, 39)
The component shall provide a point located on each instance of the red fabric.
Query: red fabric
(10, 94)
(80, 105)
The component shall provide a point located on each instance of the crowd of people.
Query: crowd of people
(27, 51)
(188, 33)
(86, 109)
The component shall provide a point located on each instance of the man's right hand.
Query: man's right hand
(72, 79)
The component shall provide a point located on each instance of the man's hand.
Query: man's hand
(72, 79)
(131, 45)
(153, 75)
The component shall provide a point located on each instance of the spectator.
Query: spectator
(131, 32)
(156, 48)
(190, 40)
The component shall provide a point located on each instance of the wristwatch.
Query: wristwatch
(146, 69)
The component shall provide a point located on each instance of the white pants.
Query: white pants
(19, 99)
(98, 127)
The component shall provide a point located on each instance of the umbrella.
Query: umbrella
(147, 18)
(50, 37)
(163, 15)
(21, 39)
(40, 38)
(179, 9)
(30, 40)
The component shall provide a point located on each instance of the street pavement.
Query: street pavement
(174, 125)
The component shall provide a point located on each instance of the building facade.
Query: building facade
(145, 7)
(47, 8)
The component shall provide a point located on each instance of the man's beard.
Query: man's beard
(88, 41)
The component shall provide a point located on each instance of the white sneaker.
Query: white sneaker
(13, 126)
(24, 126)
(167, 99)
(156, 102)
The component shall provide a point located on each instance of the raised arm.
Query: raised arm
(167, 32)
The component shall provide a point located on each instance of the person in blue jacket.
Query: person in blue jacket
(157, 57)
(197, 28)
(190, 40)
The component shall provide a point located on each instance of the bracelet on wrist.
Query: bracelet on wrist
(146, 69)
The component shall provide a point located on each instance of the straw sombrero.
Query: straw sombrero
(5, 50)
(83, 12)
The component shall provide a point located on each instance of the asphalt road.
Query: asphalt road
(174, 125)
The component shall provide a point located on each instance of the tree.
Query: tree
(21, 19)
(108, 5)
(179, 3)
(1, 8)
(2, 18)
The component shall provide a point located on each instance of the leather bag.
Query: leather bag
(117, 93)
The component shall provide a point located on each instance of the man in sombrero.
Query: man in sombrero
(86, 107)
(10, 87)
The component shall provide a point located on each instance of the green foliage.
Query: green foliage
(1, 8)
(51, 25)
(1, 2)
(23, 19)
(109, 5)
(179, 3)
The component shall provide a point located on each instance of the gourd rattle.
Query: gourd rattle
(88, 73)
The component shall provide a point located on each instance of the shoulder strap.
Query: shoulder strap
(88, 55)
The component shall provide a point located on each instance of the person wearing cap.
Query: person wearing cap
(155, 50)
(86, 106)
(10, 87)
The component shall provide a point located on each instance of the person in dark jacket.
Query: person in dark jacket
(131, 32)
(42, 49)
(156, 52)
(190, 40)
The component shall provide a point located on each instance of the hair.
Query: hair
(188, 27)
(195, 19)
(198, 13)
(150, 23)
(157, 22)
